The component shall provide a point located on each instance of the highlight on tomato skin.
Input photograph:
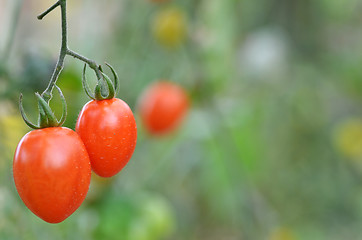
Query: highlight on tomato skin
(162, 107)
(109, 132)
(52, 172)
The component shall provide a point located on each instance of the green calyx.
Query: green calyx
(104, 83)
(46, 115)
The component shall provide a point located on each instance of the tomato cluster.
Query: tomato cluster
(52, 166)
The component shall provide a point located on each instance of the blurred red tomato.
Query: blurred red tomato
(162, 107)
(52, 172)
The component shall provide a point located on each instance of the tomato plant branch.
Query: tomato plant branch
(92, 64)
(47, 94)
(64, 51)
(46, 115)
(41, 16)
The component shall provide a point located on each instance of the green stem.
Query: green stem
(41, 16)
(47, 94)
(92, 64)
(64, 51)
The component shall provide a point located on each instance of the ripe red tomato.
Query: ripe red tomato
(109, 132)
(162, 107)
(52, 172)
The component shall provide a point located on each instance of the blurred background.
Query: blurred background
(271, 147)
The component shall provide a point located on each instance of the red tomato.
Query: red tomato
(162, 107)
(109, 132)
(52, 172)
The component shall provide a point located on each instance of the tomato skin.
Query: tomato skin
(52, 172)
(162, 107)
(109, 132)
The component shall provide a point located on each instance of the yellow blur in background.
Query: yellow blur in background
(169, 27)
(348, 138)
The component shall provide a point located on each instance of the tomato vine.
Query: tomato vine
(65, 180)
(47, 118)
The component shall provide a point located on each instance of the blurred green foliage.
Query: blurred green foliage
(271, 148)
